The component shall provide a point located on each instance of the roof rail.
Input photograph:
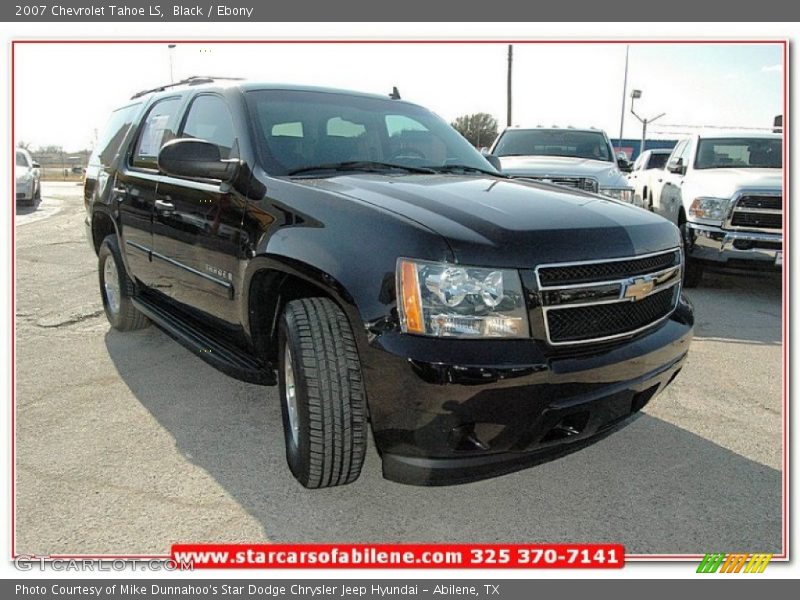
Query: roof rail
(193, 80)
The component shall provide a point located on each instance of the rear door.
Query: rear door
(135, 188)
(197, 223)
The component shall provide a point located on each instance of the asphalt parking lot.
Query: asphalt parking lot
(126, 443)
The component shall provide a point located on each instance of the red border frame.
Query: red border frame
(785, 275)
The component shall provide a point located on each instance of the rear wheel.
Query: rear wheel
(322, 394)
(116, 288)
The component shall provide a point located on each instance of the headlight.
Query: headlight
(623, 194)
(447, 300)
(709, 209)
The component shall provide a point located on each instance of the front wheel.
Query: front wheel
(322, 394)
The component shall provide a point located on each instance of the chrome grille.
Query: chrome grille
(594, 301)
(757, 211)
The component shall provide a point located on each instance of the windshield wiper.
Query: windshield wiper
(361, 165)
(467, 169)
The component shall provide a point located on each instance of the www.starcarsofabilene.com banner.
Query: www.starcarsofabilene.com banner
(399, 556)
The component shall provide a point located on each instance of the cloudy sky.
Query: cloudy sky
(64, 92)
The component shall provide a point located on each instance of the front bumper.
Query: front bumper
(452, 411)
(734, 248)
(25, 190)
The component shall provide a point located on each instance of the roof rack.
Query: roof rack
(193, 80)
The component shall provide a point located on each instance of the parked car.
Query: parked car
(650, 164)
(578, 158)
(356, 251)
(725, 192)
(27, 176)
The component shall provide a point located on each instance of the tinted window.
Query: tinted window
(657, 161)
(553, 142)
(299, 129)
(21, 160)
(210, 119)
(109, 142)
(155, 132)
(677, 152)
(739, 153)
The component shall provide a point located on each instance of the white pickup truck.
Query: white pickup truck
(725, 192)
(649, 166)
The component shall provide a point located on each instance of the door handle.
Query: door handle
(165, 206)
(660, 179)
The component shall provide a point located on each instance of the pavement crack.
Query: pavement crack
(61, 321)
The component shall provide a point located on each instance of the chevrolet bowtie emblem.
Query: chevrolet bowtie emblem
(639, 288)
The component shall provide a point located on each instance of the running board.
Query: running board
(224, 357)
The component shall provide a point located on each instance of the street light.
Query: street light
(635, 95)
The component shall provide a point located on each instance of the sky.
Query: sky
(64, 92)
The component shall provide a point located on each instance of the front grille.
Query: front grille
(757, 220)
(607, 320)
(755, 201)
(606, 271)
(586, 184)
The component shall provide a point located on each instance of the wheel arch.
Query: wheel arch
(273, 281)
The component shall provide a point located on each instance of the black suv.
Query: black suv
(356, 251)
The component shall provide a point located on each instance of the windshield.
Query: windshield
(298, 131)
(554, 142)
(739, 153)
(21, 160)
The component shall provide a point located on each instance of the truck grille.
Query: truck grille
(598, 301)
(757, 220)
(593, 272)
(581, 183)
(757, 211)
(605, 320)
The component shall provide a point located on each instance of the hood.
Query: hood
(558, 166)
(725, 183)
(488, 221)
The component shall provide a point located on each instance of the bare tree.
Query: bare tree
(480, 129)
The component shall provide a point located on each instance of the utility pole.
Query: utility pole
(508, 85)
(624, 95)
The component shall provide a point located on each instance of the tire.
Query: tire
(692, 270)
(37, 194)
(119, 308)
(324, 414)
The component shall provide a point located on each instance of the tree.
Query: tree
(480, 129)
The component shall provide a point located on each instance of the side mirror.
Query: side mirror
(189, 157)
(484, 151)
(494, 161)
(36, 165)
(623, 163)
(677, 167)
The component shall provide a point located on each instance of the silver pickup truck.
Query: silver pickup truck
(725, 192)
(577, 158)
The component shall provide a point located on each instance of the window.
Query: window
(677, 152)
(21, 160)
(338, 127)
(739, 153)
(657, 160)
(210, 119)
(108, 145)
(554, 142)
(639, 162)
(155, 132)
